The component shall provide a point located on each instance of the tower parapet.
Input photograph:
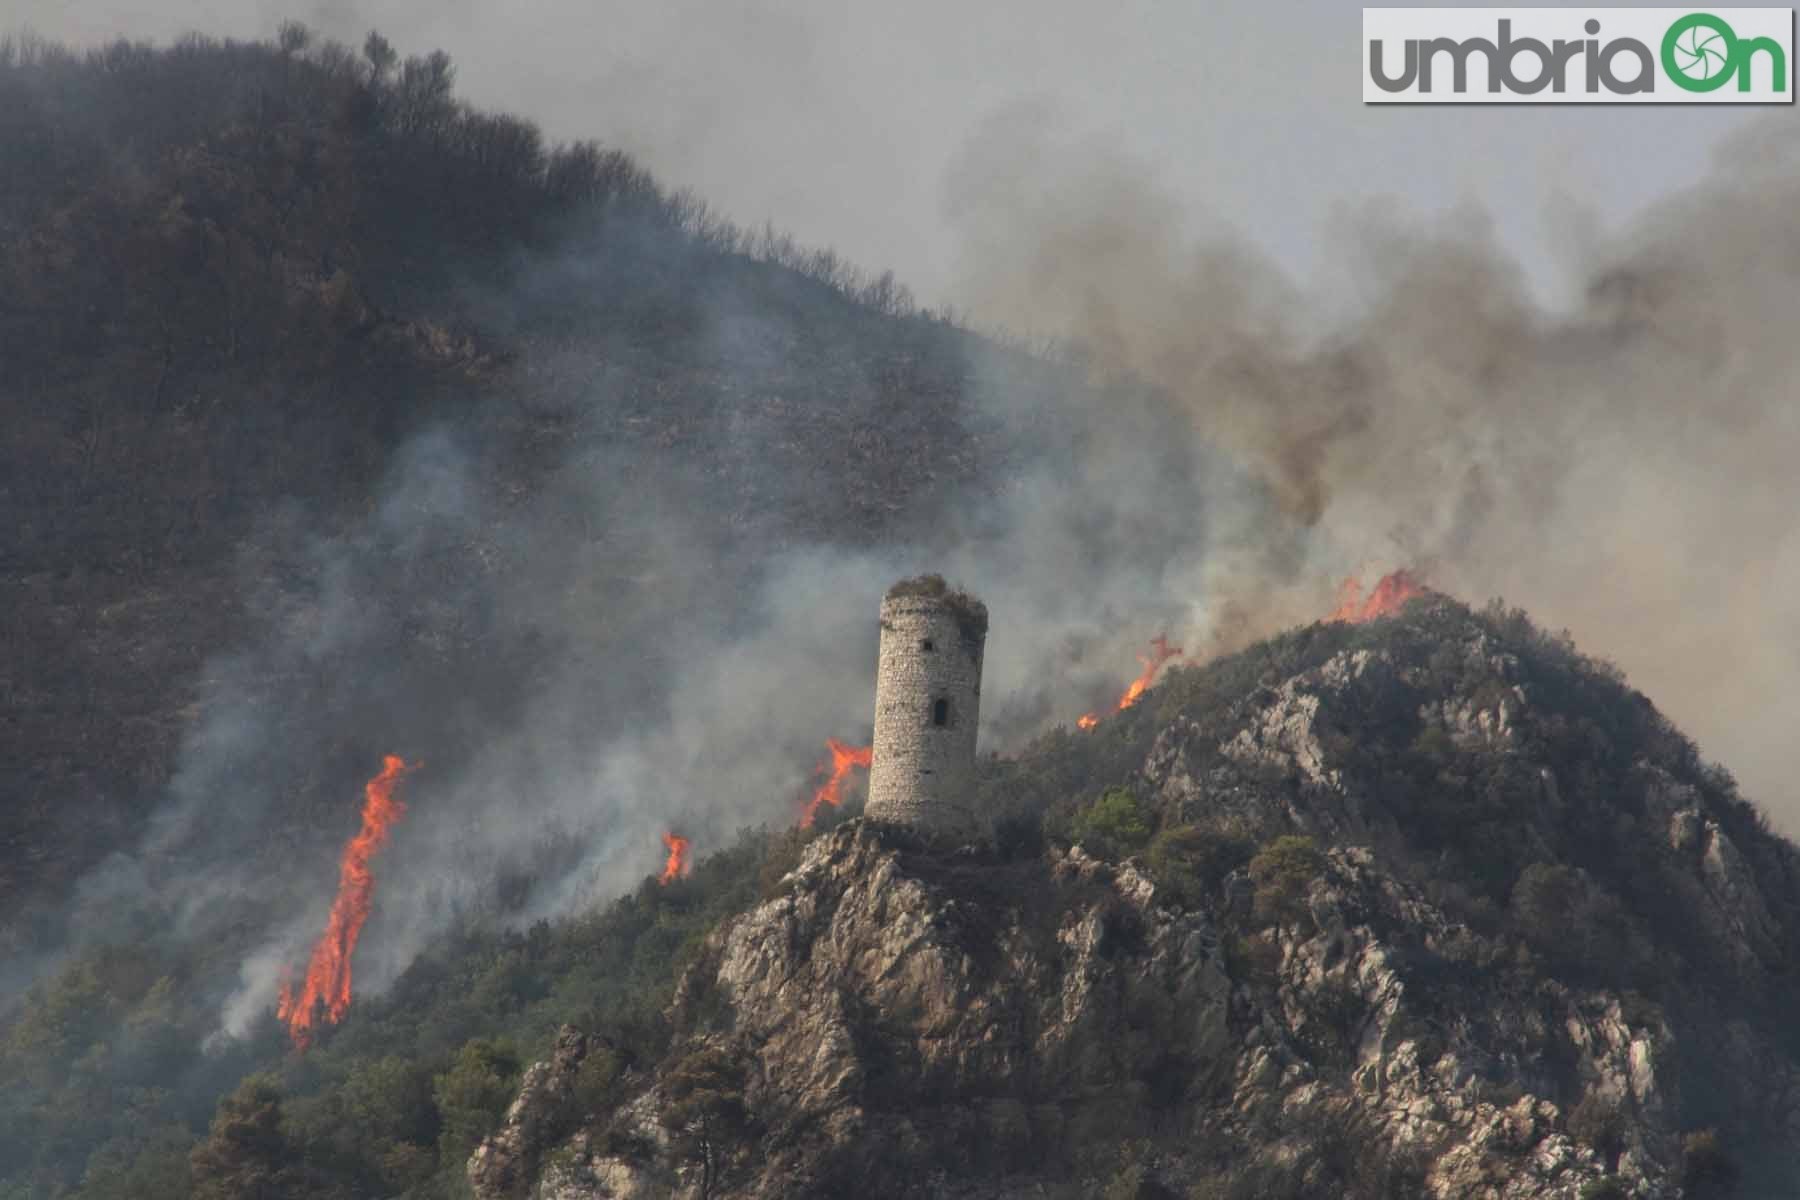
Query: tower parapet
(927, 705)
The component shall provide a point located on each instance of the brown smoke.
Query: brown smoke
(1625, 468)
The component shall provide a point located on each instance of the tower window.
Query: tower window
(926, 645)
(940, 713)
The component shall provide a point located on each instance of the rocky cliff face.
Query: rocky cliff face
(1335, 1018)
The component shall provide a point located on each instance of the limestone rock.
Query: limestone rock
(912, 1021)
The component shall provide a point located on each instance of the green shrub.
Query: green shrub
(1114, 826)
(1189, 863)
(1282, 871)
(472, 1096)
(1603, 1189)
(1132, 1180)
(595, 1081)
(1579, 927)
(153, 1166)
(706, 1115)
(246, 1153)
(391, 1098)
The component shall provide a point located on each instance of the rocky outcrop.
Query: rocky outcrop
(899, 1019)
(892, 1020)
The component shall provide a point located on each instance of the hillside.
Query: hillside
(1428, 906)
(347, 421)
(239, 278)
(1434, 906)
(337, 412)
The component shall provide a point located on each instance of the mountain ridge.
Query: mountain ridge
(1278, 992)
(375, 404)
(245, 280)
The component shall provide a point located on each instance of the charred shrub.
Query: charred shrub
(1019, 835)
(1706, 1169)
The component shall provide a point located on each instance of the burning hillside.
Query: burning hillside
(1160, 655)
(1391, 594)
(678, 866)
(1388, 598)
(950, 973)
(324, 994)
(836, 770)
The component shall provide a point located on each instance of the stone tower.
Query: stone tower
(927, 702)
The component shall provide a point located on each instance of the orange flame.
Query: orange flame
(678, 865)
(843, 757)
(327, 983)
(1391, 594)
(1160, 654)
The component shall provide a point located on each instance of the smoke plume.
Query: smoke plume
(1623, 468)
(630, 647)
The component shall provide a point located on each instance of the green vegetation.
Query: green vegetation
(1282, 871)
(389, 1103)
(472, 1095)
(1114, 826)
(236, 277)
(1131, 1181)
(247, 1151)
(1189, 863)
(1579, 927)
(706, 1112)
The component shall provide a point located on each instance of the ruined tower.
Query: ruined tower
(927, 702)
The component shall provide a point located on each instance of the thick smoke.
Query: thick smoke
(640, 664)
(622, 651)
(1624, 468)
(672, 685)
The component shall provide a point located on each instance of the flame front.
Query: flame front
(678, 865)
(1161, 653)
(324, 995)
(1391, 594)
(843, 758)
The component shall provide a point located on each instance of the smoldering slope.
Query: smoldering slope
(610, 658)
(685, 680)
(1624, 467)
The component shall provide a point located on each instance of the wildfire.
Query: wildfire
(843, 757)
(325, 993)
(1161, 653)
(678, 866)
(1391, 593)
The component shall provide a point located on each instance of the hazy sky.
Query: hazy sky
(836, 118)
